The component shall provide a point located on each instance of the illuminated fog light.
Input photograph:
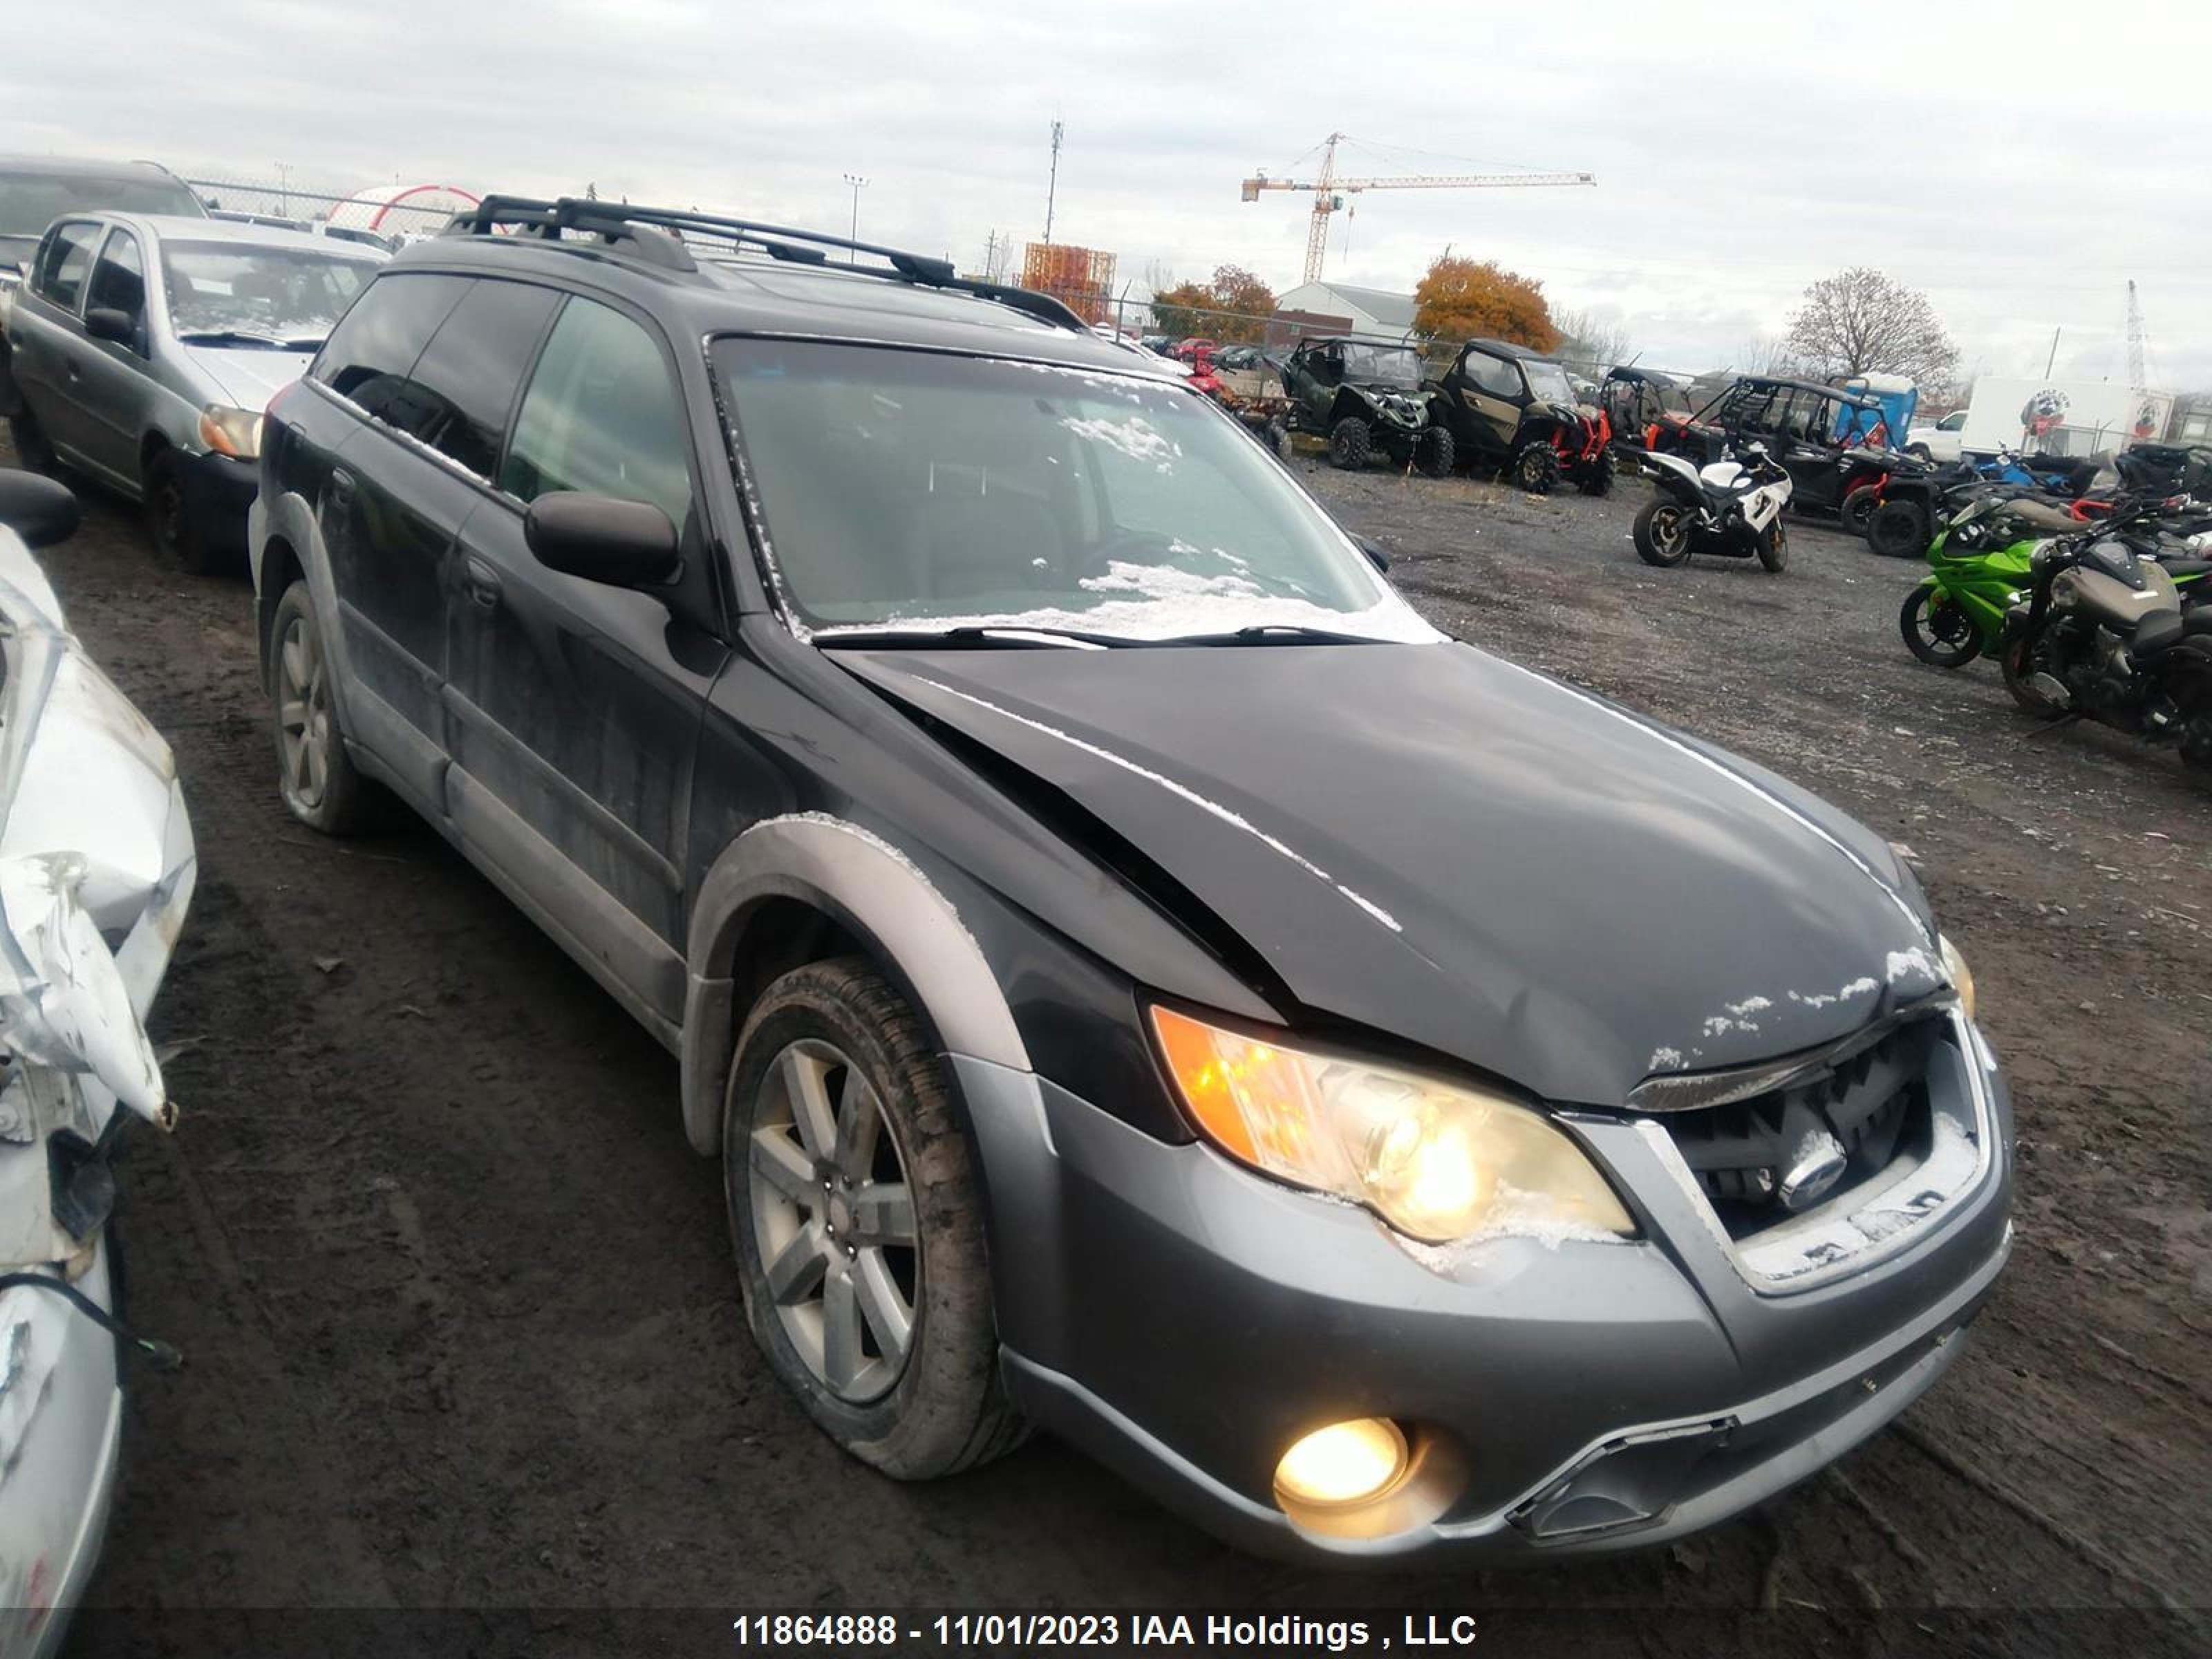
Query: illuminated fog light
(1345, 1463)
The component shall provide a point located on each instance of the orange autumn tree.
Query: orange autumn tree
(1464, 299)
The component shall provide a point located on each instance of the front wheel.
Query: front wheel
(1536, 468)
(33, 453)
(1773, 548)
(1921, 451)
(1350, 443)
(857, 1218)
(1898, 530)
(1857, 507)
(179, 540)
(2022, 664)
(1662, 534)
(1433, 452)
(1937, 629)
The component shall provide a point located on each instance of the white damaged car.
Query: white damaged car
(96, 870)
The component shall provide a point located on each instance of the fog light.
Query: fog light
(1345, 1463)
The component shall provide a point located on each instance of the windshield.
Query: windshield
(1548, 381)
(289, 296)
(915, 490)
(1371, 365)
(31, 202)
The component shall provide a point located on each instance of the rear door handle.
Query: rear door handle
(481, 583)
(341, 486)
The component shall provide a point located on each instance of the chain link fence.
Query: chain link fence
(368, 213)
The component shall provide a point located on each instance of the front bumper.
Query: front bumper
(1185, 1320)
(219, 492)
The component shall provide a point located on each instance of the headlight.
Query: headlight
(1438, 1161)
(233, 431)
(1962, 977)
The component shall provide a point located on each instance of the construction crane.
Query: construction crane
(1329, 192)
(2138, 374)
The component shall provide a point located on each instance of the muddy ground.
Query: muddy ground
(463, 1331)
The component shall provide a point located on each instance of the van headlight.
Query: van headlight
(1439, 1161)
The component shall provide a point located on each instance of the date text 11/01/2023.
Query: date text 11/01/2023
(958, 1631)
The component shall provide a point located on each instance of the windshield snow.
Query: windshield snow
(916, 489)
(287, 295)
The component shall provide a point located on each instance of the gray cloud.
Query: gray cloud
(2020, 166)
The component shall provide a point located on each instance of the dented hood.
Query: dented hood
(1428, 841)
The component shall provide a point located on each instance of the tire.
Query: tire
(1857, 507)
(2013, 659)
(1921, 451)
(1662, 534)
(1773, 548)
(33, 453)
(178, 542)
(314, 773)
(1937, 629)
(1898, 530)
(1350, 443)
(836, 1034)
(1279, 441)
(1433, 452)
(1536, 468)
(1598, 480)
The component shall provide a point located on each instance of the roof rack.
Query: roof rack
(656, 235)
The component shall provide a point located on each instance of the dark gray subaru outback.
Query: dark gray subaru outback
(1140, 978)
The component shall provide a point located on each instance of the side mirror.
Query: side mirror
(1375, 556)
(106, 323)
(601, 538)
(38, 509)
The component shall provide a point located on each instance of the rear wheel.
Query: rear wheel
(1898, 530)
(1432, 451)
(857, 1219)
(33, 451)
(1773, 548)
(1937, 629)
(1662, 534)
(314, 773)
(1857, 507)
(1536, 468)
(1350, 443)
(1597, 479)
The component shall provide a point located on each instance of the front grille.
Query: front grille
(1875, 1103)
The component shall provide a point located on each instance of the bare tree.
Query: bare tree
(1583, 339)
(1860, 322)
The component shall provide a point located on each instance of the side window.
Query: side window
(1490, 375)
(1953, 422)
(461, 388)
(119, 279)
(369, 354)
(63, 265)
(602, 416)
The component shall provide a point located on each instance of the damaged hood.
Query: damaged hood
(1431, 842)
(247, 377)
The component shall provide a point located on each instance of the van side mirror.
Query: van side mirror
(106, 323)
(38, 509)
(601, 538)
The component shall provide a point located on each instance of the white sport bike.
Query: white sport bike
(1731, 507)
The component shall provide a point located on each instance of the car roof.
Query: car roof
(177, 227)
(1836, 392)
(78, 166)
(1506, 349)
(743, 293)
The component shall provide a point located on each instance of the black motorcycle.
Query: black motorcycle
(2104, 634)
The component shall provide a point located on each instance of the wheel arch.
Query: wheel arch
(806, 886)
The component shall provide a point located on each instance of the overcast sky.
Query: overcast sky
(2019, 163)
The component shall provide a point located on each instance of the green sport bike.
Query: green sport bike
(1977, 570)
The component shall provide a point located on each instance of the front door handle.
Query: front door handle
(481, 583)
(341, 486)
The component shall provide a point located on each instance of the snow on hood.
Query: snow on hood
(247, 377)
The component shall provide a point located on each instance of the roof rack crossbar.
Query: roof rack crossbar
(622, 220)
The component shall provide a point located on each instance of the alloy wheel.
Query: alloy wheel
(834, 1221)
(303, 713)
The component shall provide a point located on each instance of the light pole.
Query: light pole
(859, 183)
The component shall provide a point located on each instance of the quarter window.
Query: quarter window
(62, 268)
(369, 355)
(118, 278)
(602, 416)
(461, 388)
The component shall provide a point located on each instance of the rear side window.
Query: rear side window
(370, 353)
(63, 265)
(118, 278)
(602, 415)
(461, 388)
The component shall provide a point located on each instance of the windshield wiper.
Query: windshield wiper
(971, 637)
(241, 336)
(1274, 634)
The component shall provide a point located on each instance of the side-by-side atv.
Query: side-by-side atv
(1514, 409)
(1366, 398)
(1834, 443)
